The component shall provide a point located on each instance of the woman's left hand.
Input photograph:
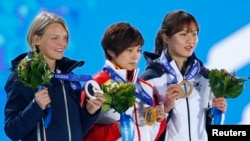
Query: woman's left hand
(220, 103)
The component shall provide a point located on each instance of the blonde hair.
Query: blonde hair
(39, 25)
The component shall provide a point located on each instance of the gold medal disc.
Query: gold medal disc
(150, 116)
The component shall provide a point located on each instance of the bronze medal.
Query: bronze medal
(187, 88)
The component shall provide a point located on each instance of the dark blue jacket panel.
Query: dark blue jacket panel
(23, 116)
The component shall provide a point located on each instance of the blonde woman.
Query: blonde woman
(25, 109)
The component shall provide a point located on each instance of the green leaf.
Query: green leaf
(105, 107)
(224, 84)
(227, 83)
(108, 98)
(235, 91)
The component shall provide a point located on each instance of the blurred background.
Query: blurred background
(224, 38)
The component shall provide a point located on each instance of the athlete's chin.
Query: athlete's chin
(188, 54)
(58, 57)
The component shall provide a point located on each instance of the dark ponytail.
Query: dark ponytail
(159, 44)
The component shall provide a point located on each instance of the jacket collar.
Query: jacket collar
(122, 72)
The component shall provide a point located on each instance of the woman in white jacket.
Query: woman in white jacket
(180, 79)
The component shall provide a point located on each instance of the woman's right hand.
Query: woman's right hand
(42, 98)
(172, 93)
(94, 105)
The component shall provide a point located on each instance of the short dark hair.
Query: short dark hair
(119, 37)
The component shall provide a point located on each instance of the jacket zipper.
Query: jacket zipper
(67, 110)
(188, 112)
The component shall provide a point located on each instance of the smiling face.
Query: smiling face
(128, 59)
(183, 43)
(52, 43)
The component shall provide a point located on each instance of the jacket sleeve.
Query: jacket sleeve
(21, 113)
(105, 132)
(89, 120)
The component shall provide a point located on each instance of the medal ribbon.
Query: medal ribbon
(72, 78)
(188, 76)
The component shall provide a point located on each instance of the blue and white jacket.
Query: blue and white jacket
(24, 118)
(187, 120)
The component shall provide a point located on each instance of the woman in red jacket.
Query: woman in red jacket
(122, 46)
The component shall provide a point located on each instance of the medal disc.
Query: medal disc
(187, 88)
(91, 87)
(150, 116)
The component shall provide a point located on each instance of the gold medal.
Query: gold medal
(150, 116)
(187, 88)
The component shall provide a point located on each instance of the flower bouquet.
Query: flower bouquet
(120, 97)
(34, 72)
(224, 84)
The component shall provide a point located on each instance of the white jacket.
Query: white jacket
(187, 121)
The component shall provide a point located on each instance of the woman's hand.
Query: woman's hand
(160, 113)
(42, 98)
(220, 103)
(94, 105)
(172, 93)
